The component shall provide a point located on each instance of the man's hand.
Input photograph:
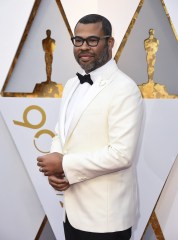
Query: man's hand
(59, 184)
(51, 164)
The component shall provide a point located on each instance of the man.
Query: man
(91, 158)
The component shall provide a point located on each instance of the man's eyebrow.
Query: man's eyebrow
(88, 36)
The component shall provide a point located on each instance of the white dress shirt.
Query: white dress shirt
(80, 93)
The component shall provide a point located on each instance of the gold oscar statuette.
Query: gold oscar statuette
(48, 88)
(152, 89)
(151, 47)
(48, 46)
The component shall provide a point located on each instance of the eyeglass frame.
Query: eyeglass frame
(86, 40)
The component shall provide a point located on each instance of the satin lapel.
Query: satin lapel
(65, 102)
(91, 94)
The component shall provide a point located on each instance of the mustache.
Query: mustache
(85, 53)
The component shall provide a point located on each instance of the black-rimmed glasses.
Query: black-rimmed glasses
(91, 41)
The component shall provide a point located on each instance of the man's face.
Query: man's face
(90, 58)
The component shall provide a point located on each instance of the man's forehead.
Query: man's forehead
(88, 28)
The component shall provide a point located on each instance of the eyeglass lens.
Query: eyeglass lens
(91, 41)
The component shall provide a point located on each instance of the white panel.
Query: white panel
(13, 18)
(167, 207)
(20, 209)
(24, 137)
(30, 68)
(79, 10)
(119, 13)
(172, 7)
(159, 148)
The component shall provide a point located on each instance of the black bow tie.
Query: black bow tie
(85, 78)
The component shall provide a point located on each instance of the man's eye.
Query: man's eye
(92, 40)
(78, 40)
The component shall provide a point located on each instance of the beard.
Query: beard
(96, 63)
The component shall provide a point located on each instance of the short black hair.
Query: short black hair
(95, 18)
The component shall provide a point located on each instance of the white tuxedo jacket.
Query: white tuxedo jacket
(98, 152)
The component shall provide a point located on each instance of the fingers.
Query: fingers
(43, 169)
(58, 183)
(51, 164)
(61, 188)
(61, 175)
(40, 164)
(57, 179)
(40, 159)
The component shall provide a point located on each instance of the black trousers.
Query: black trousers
(74, 234)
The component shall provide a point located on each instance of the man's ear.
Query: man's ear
(111, 43)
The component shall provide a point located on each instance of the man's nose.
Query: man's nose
(85, 46)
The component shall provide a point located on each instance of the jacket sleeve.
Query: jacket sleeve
(124, 123)
(56, 143)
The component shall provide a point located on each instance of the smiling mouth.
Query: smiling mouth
(85, 57)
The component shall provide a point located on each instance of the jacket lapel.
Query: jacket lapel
(96, 88)
(65, 101)
(100, 83)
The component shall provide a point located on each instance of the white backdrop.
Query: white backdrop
(172, 7)
(23, 132)
(12, 24)
(20, 209)
(120, 22)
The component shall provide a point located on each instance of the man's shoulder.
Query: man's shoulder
(122, 82)
(122, 78)
(71, 81)
(113, 71)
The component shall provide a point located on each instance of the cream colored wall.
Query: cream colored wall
(13, 18)
(117, 11)
(20, 209)
(172, 7)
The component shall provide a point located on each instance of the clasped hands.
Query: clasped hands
(51, 166)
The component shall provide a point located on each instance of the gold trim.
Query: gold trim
(43, 224)
(153, 90)
(23, 39)
(169, 18)
(156, 227)
(18, 94)
(129, 29)
(61, 9)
